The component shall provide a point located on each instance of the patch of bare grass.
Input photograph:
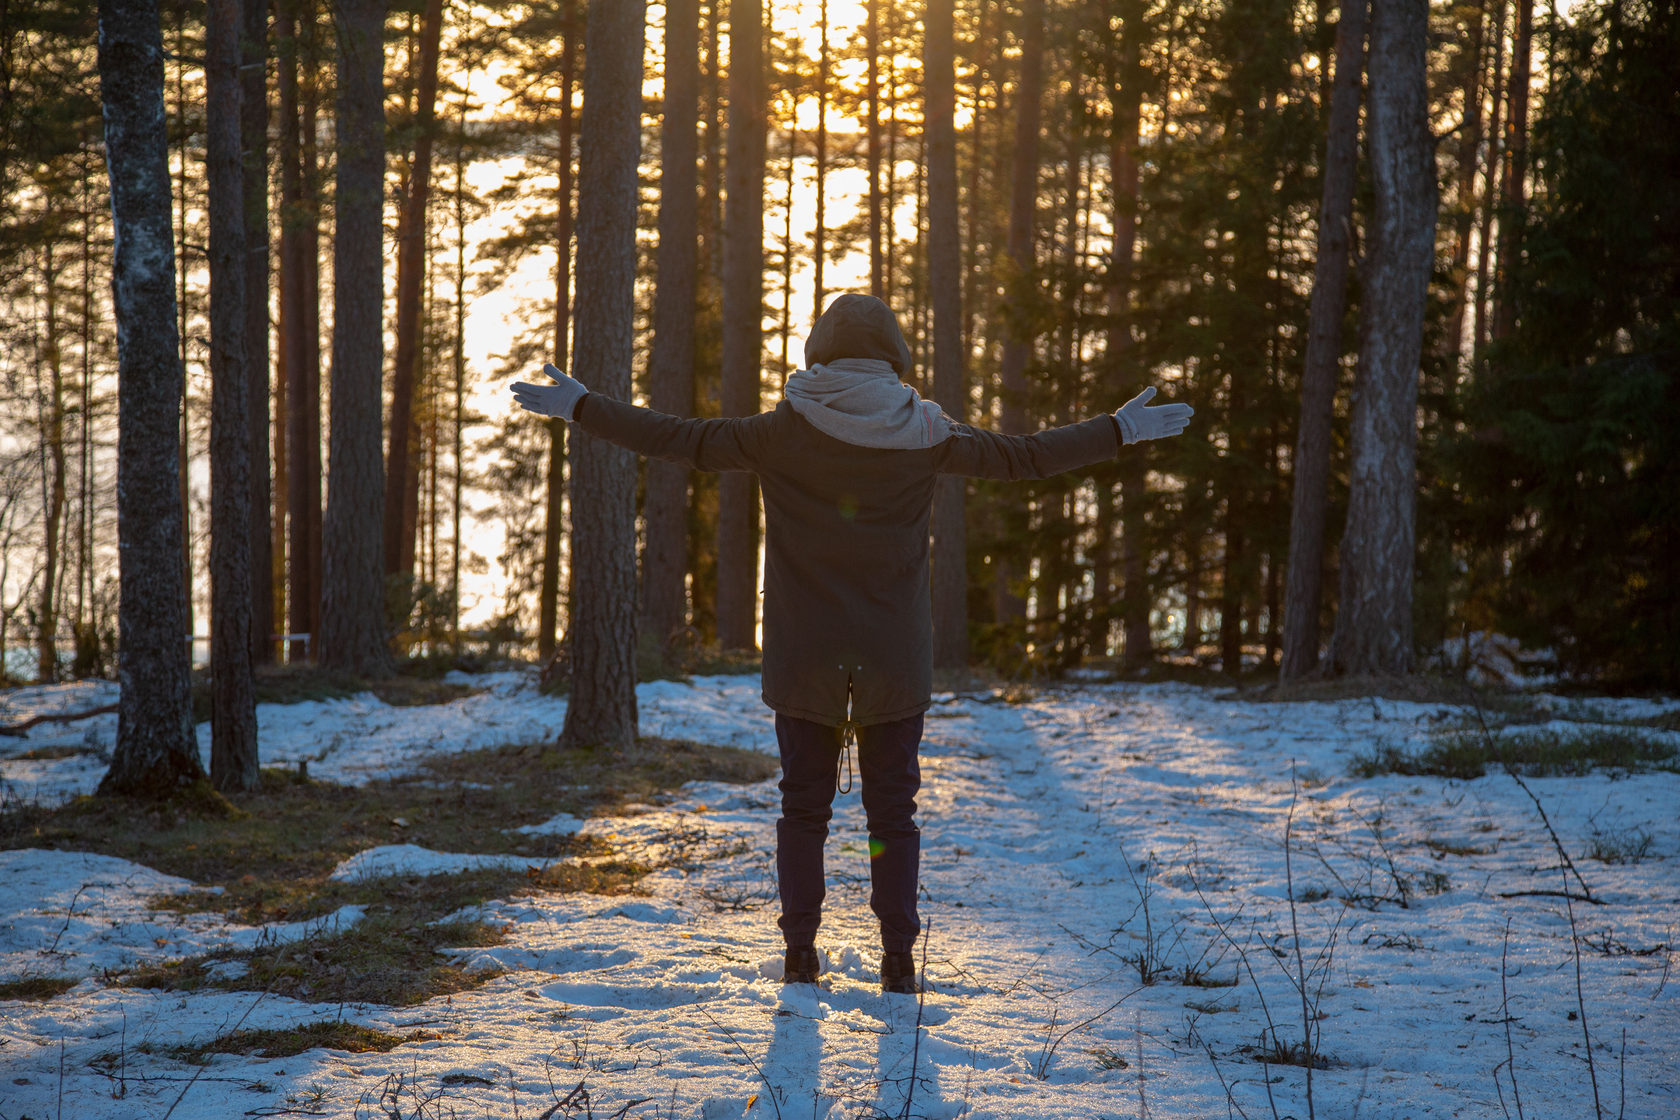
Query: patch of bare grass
(1545, 754)
(331, 1034)
(37, 989)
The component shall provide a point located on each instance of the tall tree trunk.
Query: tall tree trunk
(820, 170)
(458, 416)
(402, 475)
(1490, 184)
(950, 537)
(1324, 351)
(554, 495)
(183, 312)
(233, 709)
(1374, 620)
(156, 752)
(702, 519)
(743, 278)
(52, 480)
(602, 710)
(352, 576)
(253, 129)
(1019, 268)
(1464, 196)
(872, 130)
(671, 362)
(1515, 174)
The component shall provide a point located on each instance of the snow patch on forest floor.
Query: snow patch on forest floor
(1069, 842)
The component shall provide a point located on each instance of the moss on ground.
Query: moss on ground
(38, 989)
(331, 1034)
(1534, 754)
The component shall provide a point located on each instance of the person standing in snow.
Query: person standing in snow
(847, 463)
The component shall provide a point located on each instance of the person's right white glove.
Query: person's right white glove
(1138, 422)
(559, 399)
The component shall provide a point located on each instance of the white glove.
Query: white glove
(559, 399)
(1138, 422)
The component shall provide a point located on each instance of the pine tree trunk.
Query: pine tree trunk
(1324, 352)
(602, 710)
(1374, 620)
(52, 445)
(950, 537)
(1490, 185)
(156, 752)
(671, 362)
(872, 130)
(554, 494)
(1127, 99)
(253, 129)
(352, 576)
(820, 169)
(1515, 174)
(402, 475)
(743, 276)
(1017, 343)
(1464, 199)
(233, 711)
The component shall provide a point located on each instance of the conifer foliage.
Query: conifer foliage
(1416, 417)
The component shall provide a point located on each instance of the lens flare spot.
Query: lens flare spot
(876, 847)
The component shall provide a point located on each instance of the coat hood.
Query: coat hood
(858, 326)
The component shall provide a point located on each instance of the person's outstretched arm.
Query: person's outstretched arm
(708, 445)
(978, 453)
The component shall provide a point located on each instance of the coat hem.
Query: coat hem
(835, 721)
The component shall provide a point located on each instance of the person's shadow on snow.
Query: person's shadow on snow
(793, 1063)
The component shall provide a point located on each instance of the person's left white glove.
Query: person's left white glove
(1138, 422)
(559, 399)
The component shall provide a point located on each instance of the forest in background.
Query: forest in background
(1139, 195)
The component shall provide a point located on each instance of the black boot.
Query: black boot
(898, 973)
(801, 966)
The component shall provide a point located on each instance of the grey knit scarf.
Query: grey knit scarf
(862, 401)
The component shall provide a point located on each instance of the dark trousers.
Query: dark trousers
(886, 762)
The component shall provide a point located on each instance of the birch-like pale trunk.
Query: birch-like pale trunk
(156, 752)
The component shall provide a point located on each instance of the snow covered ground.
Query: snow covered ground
(1067, 841)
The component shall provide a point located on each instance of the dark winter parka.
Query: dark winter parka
(848, 621)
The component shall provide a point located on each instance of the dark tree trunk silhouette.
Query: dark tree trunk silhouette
(402, 470)
(872, 130)
(950, 539)
(1324, 351)
(820, 160)
(602, 710)
(353, 576)
(743, 309)
(253, 130)
(1374, 617)
(671, 363)
(1019, 266)
(554, 495)
(52, 443)
(299, 333)
(156, 752)
(1515, 174)
(233, 710)
(1127, 99)
(1464, 196)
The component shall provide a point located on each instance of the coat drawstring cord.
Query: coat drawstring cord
(843, 764)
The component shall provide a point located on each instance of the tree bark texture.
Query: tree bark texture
(1324, 351)
(299, 332)
(253, 129)
(950, 538)
(1126, 96)
(743, 315)
(554, 495)
(671, 362)
(156, 752)
(1374, 621)
(233, 708)
(402, 473)
(602, 709)
(353, 577)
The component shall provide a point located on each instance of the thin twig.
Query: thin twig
(769, 1089)
(1581, 1006)
(1505, 1014)
(1295, 929)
